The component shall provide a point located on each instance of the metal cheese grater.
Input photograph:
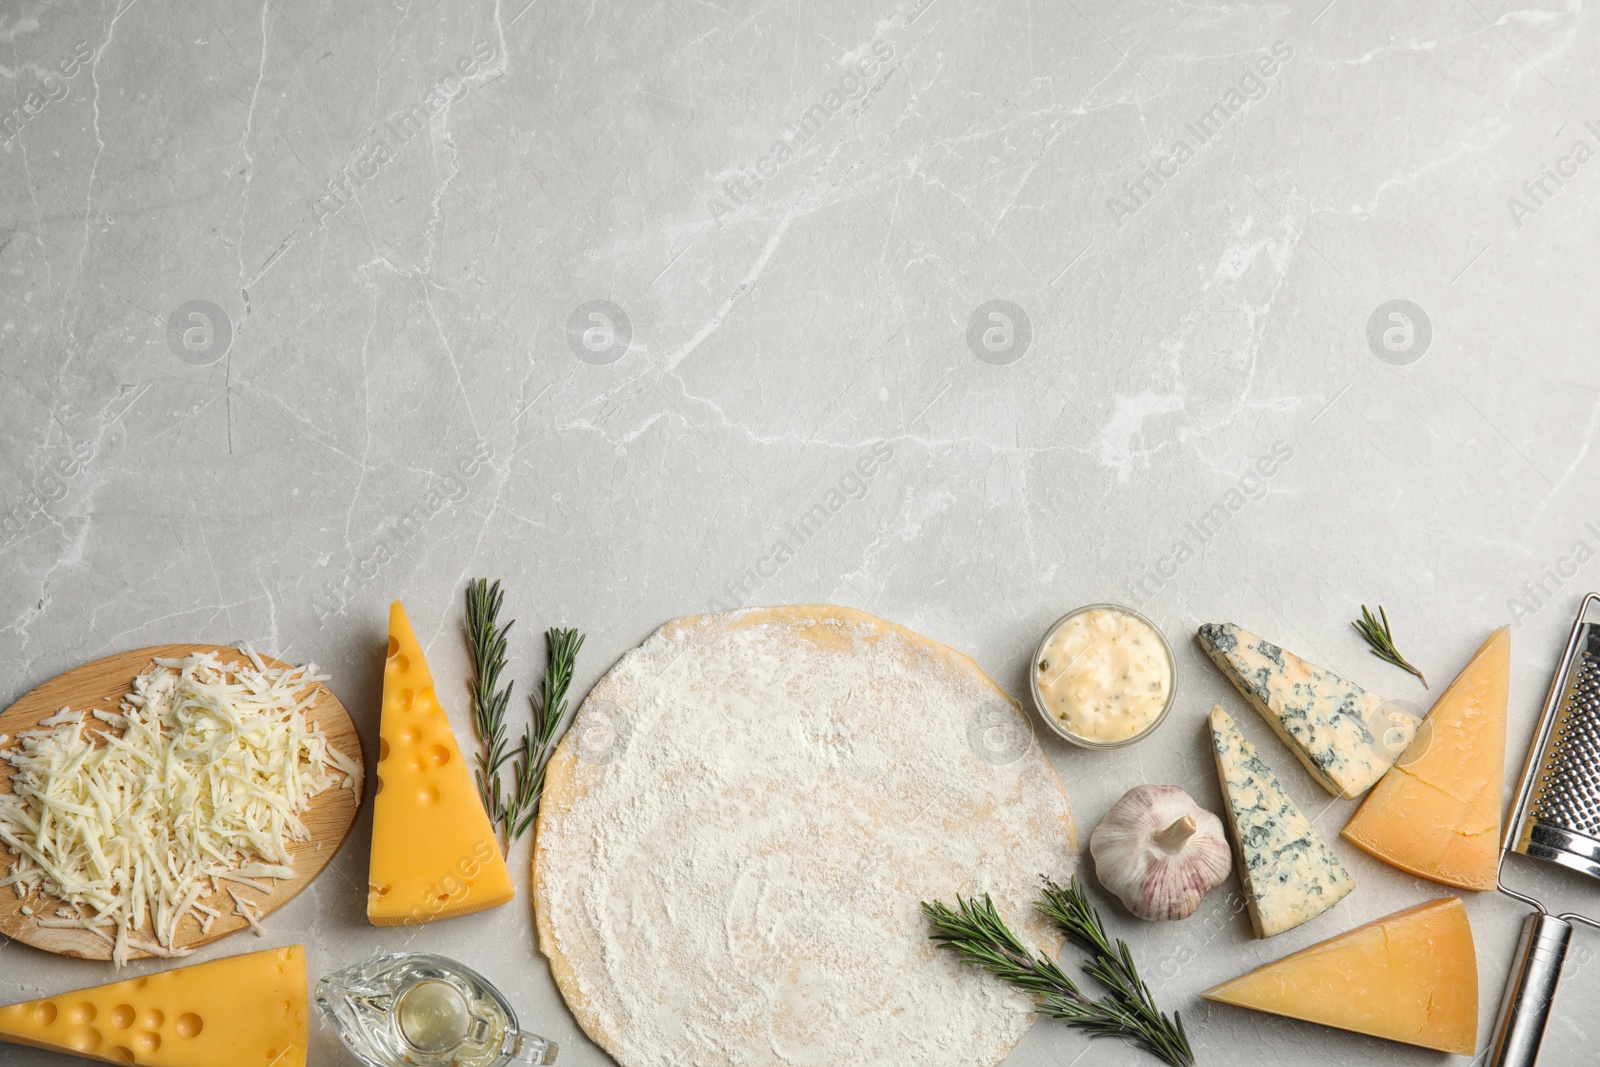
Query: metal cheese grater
(1556, 817)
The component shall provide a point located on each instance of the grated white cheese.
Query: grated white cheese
(250, 883)
(249, 909)
(203, 778)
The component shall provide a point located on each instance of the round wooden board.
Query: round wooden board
(85, 689)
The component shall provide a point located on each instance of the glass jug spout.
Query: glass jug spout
(523, 1047)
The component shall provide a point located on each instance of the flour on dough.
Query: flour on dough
(742, 822)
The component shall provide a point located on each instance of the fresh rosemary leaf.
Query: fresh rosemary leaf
(486, 645)
(550, 722)
(1151, 1030)
(1375, 630)
(513, 808)
(975, 930)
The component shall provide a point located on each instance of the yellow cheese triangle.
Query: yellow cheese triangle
(247, 1009)
(1410, 977)
(1436, 814)
(434, 851)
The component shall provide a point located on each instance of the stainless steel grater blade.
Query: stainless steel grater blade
(1556, 818)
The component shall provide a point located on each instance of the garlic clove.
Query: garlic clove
(1160, 852)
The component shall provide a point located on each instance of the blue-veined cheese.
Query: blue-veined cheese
(1289, 873)
(1346, 737)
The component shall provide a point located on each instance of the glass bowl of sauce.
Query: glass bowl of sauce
(1103, 676)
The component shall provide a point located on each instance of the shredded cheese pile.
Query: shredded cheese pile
(136, 818)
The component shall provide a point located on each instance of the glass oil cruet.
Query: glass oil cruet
(416, 1010)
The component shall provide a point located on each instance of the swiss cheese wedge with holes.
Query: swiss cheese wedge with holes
(248, 1009)
(434, 851)
(1436, 813)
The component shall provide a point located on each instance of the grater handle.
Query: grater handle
(1525, 1005)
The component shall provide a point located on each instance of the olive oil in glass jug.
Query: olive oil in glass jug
(417, 1010)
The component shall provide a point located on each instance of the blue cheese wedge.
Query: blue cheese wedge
(1346, 737)
(1289, 873)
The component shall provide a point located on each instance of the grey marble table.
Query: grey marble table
(309, 306)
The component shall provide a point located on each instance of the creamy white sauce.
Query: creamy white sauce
(1104, 675)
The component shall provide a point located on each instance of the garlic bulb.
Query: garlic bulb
(1160, 852)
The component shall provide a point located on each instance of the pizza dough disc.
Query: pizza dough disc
(737, 832)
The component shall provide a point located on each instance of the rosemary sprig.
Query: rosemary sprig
(1375, 629)
(513, 809)
(550, 721)
(486, 645)
(1070, 909)
(975, 930)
